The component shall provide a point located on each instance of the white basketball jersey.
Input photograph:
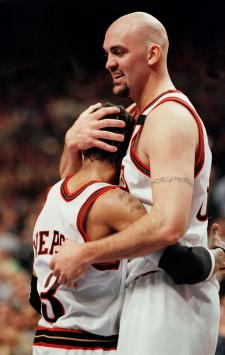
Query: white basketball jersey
(94, 305)
(137, 178)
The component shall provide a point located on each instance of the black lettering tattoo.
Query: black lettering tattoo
(131, 202)
(170, 179)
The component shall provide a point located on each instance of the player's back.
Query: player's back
(94, 305)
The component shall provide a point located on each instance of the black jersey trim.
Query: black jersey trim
(73, 339)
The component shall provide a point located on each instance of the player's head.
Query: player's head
(114, 158)
(136, 45)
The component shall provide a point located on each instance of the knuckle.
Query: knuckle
(89, 140)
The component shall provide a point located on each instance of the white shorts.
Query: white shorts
(161, 318)
(60, 341)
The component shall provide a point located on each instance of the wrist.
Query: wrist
(88, 253)
(71, 144)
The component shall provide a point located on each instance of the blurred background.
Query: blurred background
(51, 69)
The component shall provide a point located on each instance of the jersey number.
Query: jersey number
(57, 308)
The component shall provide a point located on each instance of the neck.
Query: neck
(95, 170)
(155, 86)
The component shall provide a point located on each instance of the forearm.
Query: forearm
(185, 265)
(70, 162)
(145, 236)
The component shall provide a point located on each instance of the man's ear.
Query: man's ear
(153, 53)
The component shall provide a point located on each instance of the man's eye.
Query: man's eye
(119, 52)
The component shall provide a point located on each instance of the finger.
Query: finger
(90, 109)
(106, 111)
(109, 122)
(104, 146)
(109, 135)
(62, 279)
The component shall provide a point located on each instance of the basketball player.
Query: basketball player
(79, 207)
(83, 319)
(167, 168)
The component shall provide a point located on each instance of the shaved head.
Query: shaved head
(145, 26)
(136, 46)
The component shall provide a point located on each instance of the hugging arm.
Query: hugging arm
(183, 264)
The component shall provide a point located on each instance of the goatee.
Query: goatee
(123, 93)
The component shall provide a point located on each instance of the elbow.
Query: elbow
(171, 237)
(172, 232)
(173, 224)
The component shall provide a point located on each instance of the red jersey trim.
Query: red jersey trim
(158, 97)
(67, 196)
(136, 161)
(200, 152)
(80, 225)
(133, 110)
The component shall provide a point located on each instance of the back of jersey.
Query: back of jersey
(94, 305)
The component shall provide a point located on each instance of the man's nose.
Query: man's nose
(111, 63)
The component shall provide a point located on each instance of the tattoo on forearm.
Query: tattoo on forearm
(170, 179)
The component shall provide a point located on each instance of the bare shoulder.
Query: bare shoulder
(116, 199)
(172, 114)
(117, 208)
(171, 122)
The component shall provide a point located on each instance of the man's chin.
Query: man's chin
(121, 92)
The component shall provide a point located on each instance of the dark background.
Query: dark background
(46, 29)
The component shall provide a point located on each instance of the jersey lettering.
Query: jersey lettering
(42, 236)
(58, 239)
(41, 245)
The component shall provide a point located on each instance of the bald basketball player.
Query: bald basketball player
(167, 167)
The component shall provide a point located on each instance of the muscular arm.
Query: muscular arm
(170, 140)
(172, 149)
(183, 264)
